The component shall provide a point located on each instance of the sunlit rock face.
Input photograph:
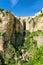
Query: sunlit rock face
(1, 43)
(39, 24)
(6, 27)
(39, 40)
(12, 27)
(24, 23)
(33, 24)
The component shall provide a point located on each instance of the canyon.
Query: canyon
(12, 28)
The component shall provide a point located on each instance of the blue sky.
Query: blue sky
(22, 7)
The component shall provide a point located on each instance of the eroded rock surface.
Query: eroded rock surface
(6, 27)
(13, 28)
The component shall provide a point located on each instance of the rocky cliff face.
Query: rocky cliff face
(33, 24)
(12, 28)
(6, 27)
(20, 38)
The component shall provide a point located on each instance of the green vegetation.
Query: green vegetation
(28, 54)
(1, 33)
(41, 15)
(1, 9)
(17, 34)
(37, 33)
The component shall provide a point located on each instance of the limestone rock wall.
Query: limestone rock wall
(6, 27)
(39, 40)
(32, 24)
(12, 28)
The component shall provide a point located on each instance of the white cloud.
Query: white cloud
(14, 2)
